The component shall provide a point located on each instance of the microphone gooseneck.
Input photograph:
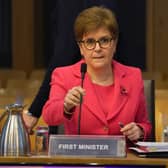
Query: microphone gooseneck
(83, 71)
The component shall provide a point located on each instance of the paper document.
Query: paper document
(149, 144)
(153, 146)
(150, 147)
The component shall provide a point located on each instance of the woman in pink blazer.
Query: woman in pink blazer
(111, 93)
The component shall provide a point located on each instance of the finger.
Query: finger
(75, 93)
(131, 131)
(71, 98)
(78, 91)
(133, 137)
(128, 133)
(72, 101)
(128, 127)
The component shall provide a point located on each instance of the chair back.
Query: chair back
(38, 74)
(6, 74)
(149, 90)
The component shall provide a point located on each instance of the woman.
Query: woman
(112, 93)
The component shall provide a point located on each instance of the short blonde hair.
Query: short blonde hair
(93, 18)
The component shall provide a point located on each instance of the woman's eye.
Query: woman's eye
(90, 41)
(104, 40)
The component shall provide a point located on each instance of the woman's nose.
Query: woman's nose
(97, 46)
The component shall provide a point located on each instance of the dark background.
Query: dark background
(131, 15)
(58, 16)
(5, 33)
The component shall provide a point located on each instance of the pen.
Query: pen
(121, 124)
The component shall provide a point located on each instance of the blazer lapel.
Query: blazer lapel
(121, 91)
(91, 101)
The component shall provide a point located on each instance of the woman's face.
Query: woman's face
(98, 57)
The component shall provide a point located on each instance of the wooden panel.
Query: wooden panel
(23, 34)
(161, 35)
(149, 35)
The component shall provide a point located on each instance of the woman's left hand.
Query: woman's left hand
(132, 131)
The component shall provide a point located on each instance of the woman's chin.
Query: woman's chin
(99, 65)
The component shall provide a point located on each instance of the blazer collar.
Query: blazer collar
(121, 91)
(118, 69)
(76, 68)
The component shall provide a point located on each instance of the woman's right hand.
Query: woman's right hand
(73, 97)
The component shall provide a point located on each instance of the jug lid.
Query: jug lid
(14, 106)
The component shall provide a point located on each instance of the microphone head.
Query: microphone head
(83, 68)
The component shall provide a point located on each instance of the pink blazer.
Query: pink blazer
(128, 102)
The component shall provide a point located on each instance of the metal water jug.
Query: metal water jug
(14, 140)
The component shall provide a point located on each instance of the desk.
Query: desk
(131, 159)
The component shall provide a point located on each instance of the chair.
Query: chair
(6, 74)
(37, 74)
(33, 86)
(149, 90)
(16, 87)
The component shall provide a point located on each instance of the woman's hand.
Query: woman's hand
(73, 97)
(30, 121)
(132, 131)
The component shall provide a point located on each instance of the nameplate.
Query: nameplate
(87, 145)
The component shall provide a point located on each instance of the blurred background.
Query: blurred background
(28, 29)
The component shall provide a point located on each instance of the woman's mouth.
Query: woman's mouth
(98, 57)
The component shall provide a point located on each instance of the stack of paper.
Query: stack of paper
(151, 149)
(153, 146)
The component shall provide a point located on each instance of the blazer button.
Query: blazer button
(105, 128)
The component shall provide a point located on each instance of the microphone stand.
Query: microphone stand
(83, 71)
(80, 107)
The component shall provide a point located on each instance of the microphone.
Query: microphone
(83, 71)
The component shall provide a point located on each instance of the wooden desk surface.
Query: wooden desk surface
(131, 159)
